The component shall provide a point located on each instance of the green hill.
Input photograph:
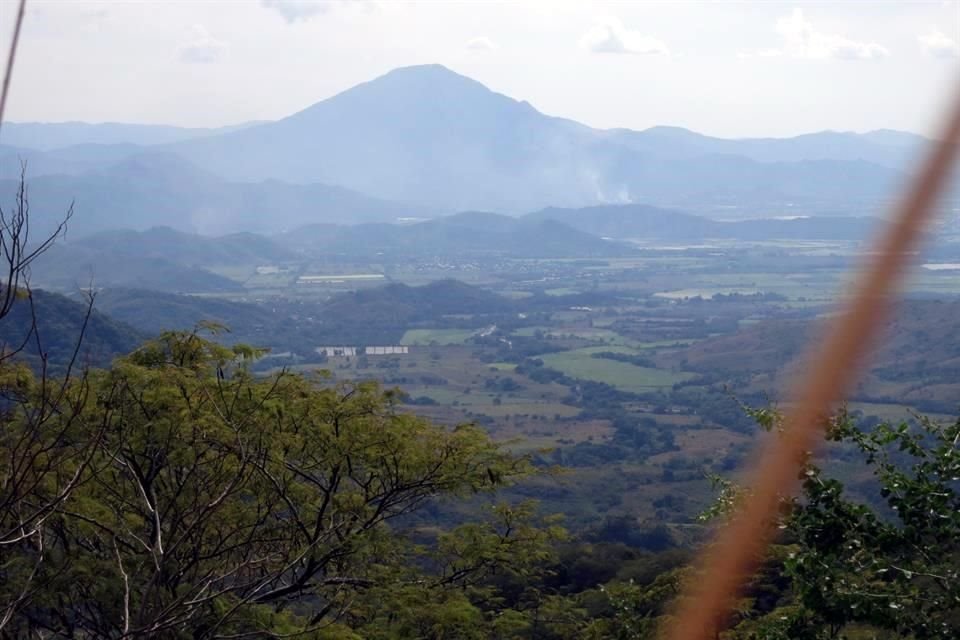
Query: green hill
(186, 249)
(161, 258)
(59, 322)
(916, 361)
(642, 222)
(465, 233)
(154, 311)
(371, 316)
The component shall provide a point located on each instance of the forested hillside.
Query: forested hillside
(917, 362)
(59, 329)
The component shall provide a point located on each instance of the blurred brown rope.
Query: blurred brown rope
(739, 547)
(11, 57)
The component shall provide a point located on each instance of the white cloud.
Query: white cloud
(609, 35)
(297, 10)
(202, 48)
(762, 53)
(304, 10)
(801, 40)
(481, 43)
(938, 45)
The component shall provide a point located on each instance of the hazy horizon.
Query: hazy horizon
(725, 70)
(245, 123)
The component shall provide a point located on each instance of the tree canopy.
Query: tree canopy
(190, 497)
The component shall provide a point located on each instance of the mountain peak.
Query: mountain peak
(432, 69)
(410, 92)
(434, 78)
(428, 135)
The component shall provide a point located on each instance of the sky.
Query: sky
(730, 69)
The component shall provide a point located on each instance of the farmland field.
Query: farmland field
(425, 337)
(471, 363)
(580, 363)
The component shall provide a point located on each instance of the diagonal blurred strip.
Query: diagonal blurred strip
(739, 546)
(11, 57)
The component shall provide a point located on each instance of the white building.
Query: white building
(332, 352)
(335, 352)
(386, 351)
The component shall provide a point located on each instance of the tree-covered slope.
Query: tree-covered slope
(59, 325)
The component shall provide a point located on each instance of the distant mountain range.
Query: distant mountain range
(438, 142)
(457, 235)
(165, 259)
(428, 135)
(57, 135)
(642, 223)
(160, 259)
(169, 260)
(153, 189)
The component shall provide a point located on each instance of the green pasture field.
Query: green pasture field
(704, 292)
(580, 363)
(659, 344)
(586, 333)
(425, 337)
(896, 412)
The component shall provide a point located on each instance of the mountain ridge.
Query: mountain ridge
(162, 188)
(441, 141)
(429, 135)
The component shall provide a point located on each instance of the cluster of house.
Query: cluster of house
(332, 352)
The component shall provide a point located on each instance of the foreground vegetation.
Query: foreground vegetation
(178, 495)
(175, 493)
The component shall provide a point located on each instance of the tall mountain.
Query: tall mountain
(439, 140)
(423, 134)
(426, 134)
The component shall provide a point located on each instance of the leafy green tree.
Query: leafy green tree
(882, 568)
(636, 612)
(894, 568)
(219, 504)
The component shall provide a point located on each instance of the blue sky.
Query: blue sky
(723, 68)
